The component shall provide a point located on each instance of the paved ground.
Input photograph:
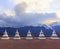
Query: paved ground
(30, 44)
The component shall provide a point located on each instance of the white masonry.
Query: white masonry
(54, 35)
(5, 35)
(29, 36)
(41, 35)
(17, 36)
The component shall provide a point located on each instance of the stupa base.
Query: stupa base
(41, 38)
(16, 38)
(29, 38)
(5, 38)
(54, 37)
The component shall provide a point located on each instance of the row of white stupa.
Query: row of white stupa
(29, 36)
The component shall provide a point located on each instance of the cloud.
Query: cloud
(2, 23)
(58, 14)
(9, 12)
(20, 18)
(35, 6)
(17, 1)
(55, 7)
(32, 18)
(1, 11)
(49, 21)
(38, 6)
(20, 8)
(29, 18)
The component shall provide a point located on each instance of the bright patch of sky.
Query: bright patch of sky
(6, 4)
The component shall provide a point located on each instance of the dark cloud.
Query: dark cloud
(20, 8)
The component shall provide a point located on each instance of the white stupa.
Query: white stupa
(5, 35)
(29, 36)
(41, 35)
(54, 35)
(17, 36)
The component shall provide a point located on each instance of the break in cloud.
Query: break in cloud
(26, 13)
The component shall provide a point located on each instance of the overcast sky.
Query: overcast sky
(29, 12)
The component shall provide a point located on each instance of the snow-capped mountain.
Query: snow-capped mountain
(46, 26)
(55, 24)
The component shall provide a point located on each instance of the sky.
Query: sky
(29, 12)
